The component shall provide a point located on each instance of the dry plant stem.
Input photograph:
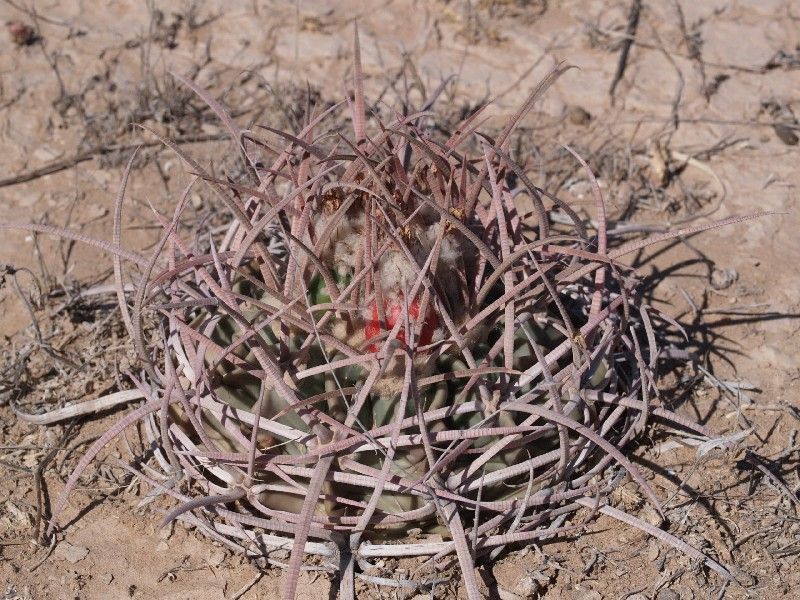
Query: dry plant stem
(116, 240)
(68, 163)
(627, 42)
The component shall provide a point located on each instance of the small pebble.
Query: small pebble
(528, 586)
(21, 33)
(653, 552)
(578, 115)
(723, 278)
(70, 553)
(786, 134)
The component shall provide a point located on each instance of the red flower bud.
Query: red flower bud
(393, 310)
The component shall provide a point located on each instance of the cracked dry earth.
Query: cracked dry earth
(702, 125)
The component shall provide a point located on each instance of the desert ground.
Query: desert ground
(685, 114)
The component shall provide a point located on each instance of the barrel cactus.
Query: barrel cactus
(381, 341)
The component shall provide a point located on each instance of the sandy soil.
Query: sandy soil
(701, 125)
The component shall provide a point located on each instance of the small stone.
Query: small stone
(578, 115)
(70, 553)
(162, 546)
(786, 134)
(21, 33)
(666, 594)
(164, 533)
(651, 515)
(590, 595)
(529, 586)
(723, 278)
(23, 518)
(658, 169)
(652, 552)
(46, 154)
(507, 595)
(106, 578)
